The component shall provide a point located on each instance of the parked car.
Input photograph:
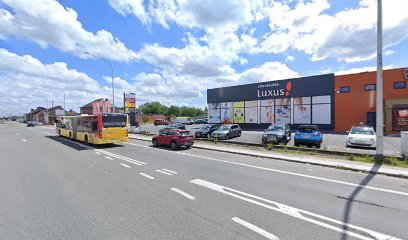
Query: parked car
(31, 124)
(206, 130)
(184, 120)
(176, 126)
(361, 136)
(227, 131)
(277, 133)
(200, 121)
(308, 135)
(175, 138)
(158, 122)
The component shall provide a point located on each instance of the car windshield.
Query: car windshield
(307, 130)
(185, 133)
(207, 127)
(275, 128)
(223, 128)
(362, 131)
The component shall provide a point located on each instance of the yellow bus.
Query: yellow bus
(100, 128)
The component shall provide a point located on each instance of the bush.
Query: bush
(270, 147)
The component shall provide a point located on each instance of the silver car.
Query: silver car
(227, 131)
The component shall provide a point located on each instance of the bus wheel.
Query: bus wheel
(86, 140)
(70, 135)
(59, 132)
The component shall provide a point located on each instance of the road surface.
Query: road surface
(53, 188)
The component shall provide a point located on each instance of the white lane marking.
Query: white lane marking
(183, 193)
(109, 158)
(146, 176)
(284, 172)
(24, 140)
(125, 165)
(46, 133)
(254, 228)
(98, 153)
(130, 160)
(160, 171)
(295, 212)
(170, 171)
(310, 170)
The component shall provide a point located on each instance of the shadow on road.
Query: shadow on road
(79, 146)
(353, 195)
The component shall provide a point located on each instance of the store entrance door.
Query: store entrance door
(372, 119)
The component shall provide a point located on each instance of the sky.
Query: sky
(172, 51)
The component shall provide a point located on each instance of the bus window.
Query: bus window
(114, 120)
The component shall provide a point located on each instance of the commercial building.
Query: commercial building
(104, 105)
(335, 103)
(355, 100)
(305, 100)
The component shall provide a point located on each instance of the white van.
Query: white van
(184, 120)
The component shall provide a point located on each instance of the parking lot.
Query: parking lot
(331, 141)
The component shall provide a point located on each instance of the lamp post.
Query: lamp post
(379, 155)
(110, 65)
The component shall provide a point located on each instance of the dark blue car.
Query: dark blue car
(206, 130)
(309, 135)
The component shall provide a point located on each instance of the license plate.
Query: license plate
(306, 136)
(271, 138)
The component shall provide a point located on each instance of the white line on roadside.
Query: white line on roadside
(255, 228)
(24, 140)
(46, 133)
(284, 172)
(121, 157)
(170, 171)
(304, 215)
(183, 193)
(160, 171)
(125, 165)
(146, 176)
(98, 153)
(109, 158)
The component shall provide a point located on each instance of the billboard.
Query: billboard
(129, 100)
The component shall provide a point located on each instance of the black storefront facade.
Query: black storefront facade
(305, 100)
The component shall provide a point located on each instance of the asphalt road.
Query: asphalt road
(334, 142)
(53, 188)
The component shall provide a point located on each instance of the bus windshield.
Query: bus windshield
(113, 120)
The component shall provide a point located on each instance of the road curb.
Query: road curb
(339, 166)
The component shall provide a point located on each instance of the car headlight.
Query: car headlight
(265, 135)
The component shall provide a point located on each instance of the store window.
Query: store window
(370, 87)
(251, 112)
(302, 110)
(345, 89)
(282, 110)
(268, 111)
(321, 109)
(399, 85)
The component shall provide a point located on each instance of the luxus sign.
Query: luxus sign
(276, 90)
(298, 87)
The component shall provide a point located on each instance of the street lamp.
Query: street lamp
(110, 65)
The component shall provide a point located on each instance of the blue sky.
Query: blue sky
(173, 50)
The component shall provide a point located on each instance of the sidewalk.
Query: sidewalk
(310, 159)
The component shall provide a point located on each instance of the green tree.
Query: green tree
(173, 111)
(153, 108)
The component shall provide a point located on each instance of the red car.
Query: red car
(175, 138)
(160, 122)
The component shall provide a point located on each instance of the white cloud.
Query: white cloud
(269, 71)
(226, 15)
(360, 70)
(290, 58)
(28, 83)
(48, 23)
(348, 35)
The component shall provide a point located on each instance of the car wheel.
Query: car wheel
(154, 142)
(239, 134)
(297, 144)
(86, 140)
(227, 137)
(318, 145)
(264, 141)
(188, 147)
(173, 145)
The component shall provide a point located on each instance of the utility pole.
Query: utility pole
(379, 153)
